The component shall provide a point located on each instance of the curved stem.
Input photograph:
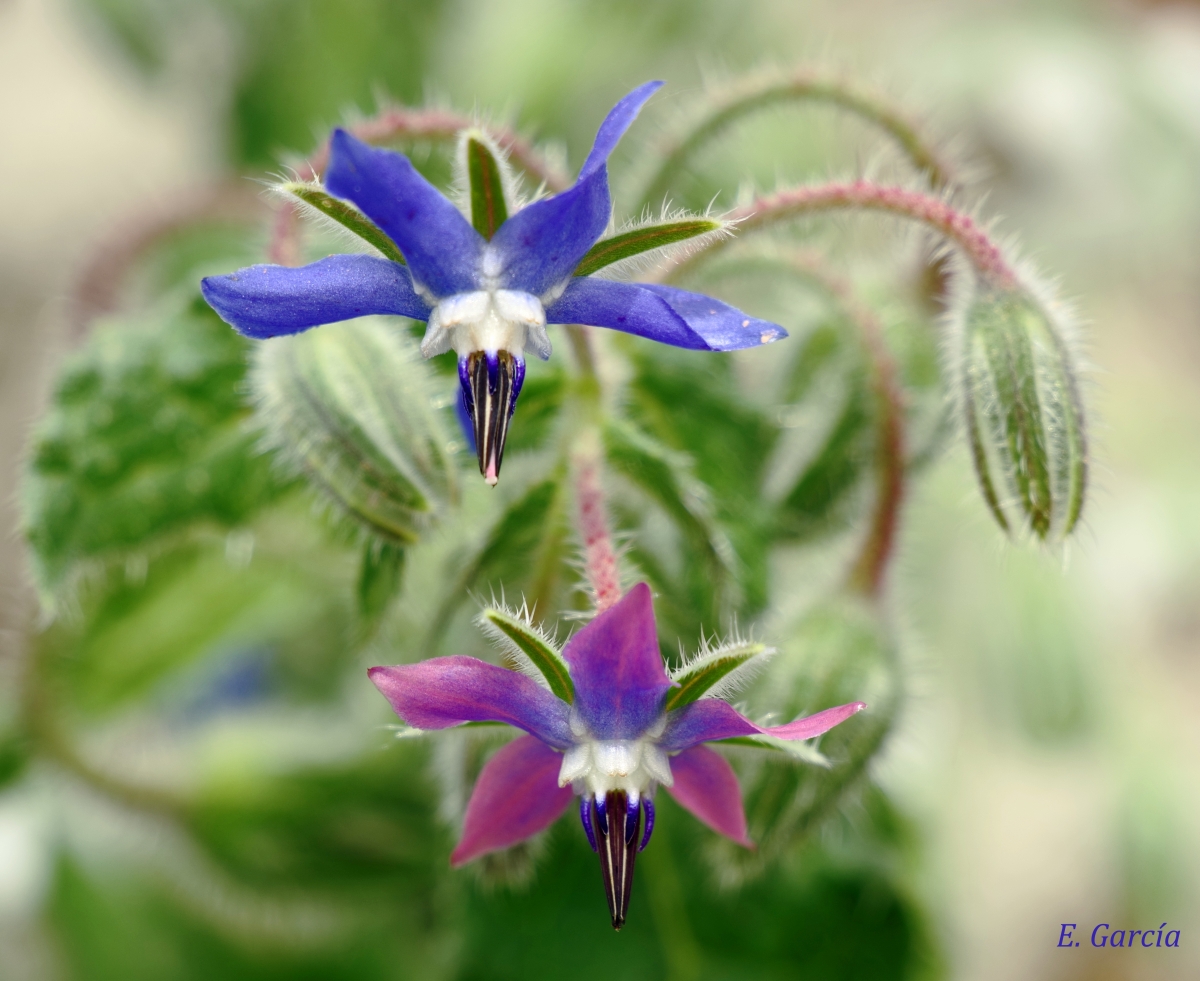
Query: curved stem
(97, 289)
(869, 568)
(403, 123)
(729, 106)
(868, 571)
(960, 228)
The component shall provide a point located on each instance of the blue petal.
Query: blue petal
(661, 313)
(541, 244)
(618, 120)
(439, 244)
(267, 301)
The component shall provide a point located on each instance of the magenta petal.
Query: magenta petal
(447, 691)
(814, 725)
(618, 670)
(704, 720)
(711, 718)
(516, 795)
(706, 785)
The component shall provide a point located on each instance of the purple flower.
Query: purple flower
(609, 725)
(487, 298)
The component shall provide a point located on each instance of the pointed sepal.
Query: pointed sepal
(726, 666)
(657, 235)
(524, 642)
(346, 216)
(485, 178)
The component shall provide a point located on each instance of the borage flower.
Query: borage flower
(608, 724)
(487, 286)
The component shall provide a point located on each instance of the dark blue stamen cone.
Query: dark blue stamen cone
(616, 839)
(585, 818)
(490, 385)
(648, 807)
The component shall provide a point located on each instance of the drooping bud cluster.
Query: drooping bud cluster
(1023, 414)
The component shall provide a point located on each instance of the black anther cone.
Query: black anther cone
(618, 849)
(491, 383)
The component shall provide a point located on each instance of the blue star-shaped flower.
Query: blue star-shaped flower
(488, 299)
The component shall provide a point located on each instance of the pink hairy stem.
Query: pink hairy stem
(960, 228)
(600, 558)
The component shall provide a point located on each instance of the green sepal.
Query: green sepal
(346, 216)
(529, 641)
(643, 239)
(489, 210)
(1023, 414)
(698, 677)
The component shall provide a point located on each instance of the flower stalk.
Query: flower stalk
(600, 558)
(728, 107)
(984, 255)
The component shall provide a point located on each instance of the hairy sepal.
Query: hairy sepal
(646, 238)
(528, 645)
(716, 672)
(1023, 414)
(345, 215)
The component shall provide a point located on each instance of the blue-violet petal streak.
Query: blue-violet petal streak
(268, 301)
(661, 313)
(439, 244)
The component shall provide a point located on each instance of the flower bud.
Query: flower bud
(351, 408)
(1023, 414)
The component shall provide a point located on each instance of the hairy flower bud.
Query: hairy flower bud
(351, 408)
(1023, 414)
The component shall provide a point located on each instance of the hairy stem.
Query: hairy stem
(868, 571)
(731, 105)
(961, 229)
(600, 558)
(414, 124)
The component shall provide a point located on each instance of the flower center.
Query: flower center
(596, 767)
(488, 321)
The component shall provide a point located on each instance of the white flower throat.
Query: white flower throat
(489, 321)
(594, 767)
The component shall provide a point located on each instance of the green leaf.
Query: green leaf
(643, 239)
(828, 388)
(346, 216)
(690, 402)
(136, 631)
(839, 652)
(529, 641)
(488, 208)
(145, 437)
(701, 674)
(15, 751)
(380, 575)
(667, 476)
(538, 409)
(350, 406)
(367, 824)
(524, 553)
